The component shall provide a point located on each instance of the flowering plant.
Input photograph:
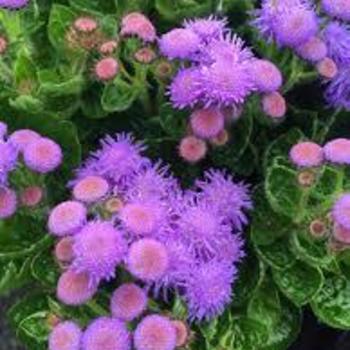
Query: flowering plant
(174, 174)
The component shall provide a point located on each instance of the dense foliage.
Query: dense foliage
(246, 214)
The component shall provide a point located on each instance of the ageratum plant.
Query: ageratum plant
(174, 175)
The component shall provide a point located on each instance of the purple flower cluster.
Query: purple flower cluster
(217, 75)
(309, 154)
(131, 213)
(13, 4)
(24, 148)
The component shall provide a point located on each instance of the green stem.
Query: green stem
(323, 133)
(96, 308)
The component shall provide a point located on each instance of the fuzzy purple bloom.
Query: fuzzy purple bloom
(128, 302)
(67, 218)
(13, 4)
(98, 249)
(231, 199)
(23, 137)
(179, 43)
(337, 151)
(184, 90)
(337, 8)
(306, 154)
(8, 202)
(8, 160)
(313, 50)
(42, 155)
(267, 77)
(341, 211)
(207, 28)
(208, 289)
(155, 332)
(65, 336)
(107, 334)
(338, 90)
(337, 38)
(117, 160)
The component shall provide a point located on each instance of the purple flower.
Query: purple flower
(208, 289)
(13, 4)
(75, 288)
(337, 38)
(207, 122)
(90, 189)
(65, 336)
(337, 151)
(229, 198)
(98, 249)
(313, 50)
(306, 154)
(207, 28)
(106, 333)
(341, 211)
(155, 332)
(289, 22)
(117, 160)
(8, 202)
(8, 160)
(67, 218)
(226, 83)
(179, 43)
(338, 90)
(128, 302)
(148, 259)
(337, 8)
(184, 90)
(23, 137)
(267, 77)
(42, 155)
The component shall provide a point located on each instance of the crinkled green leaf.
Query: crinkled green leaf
(332, 303)
(300, 282)
(45, 269)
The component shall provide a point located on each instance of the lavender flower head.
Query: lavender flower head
(8, 160)
(208, 289)
(338, 91)
(98, 249)
(65, 336)
(13, 4)
(337, 38)
(337, 9)
(337, 151)
(8, 202)
(106, 333)
(341, 211)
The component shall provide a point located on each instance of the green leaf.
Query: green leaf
(285, 196)
(299, 283)
(60, 19)
(118, 96)
(27, 104)
(266, 225)
(45, 269)
(278, 254)
(332, 303)
(24, 67)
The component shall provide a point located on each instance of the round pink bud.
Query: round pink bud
(8, 202)
(75, 288)
(42, 155)
(267, 77)
(85, 24)
(182, 332)
(22, 138)
(65, 336)
(3, 45)
(327, 68)
(32, 196)
(67, 218)
(145, 55)
(113, 205)
(148, 259)
(136, 23)
(313, 50)
(128, 302)
(318, 228)
(306, 154)
(108, 47)
(164, 70)
(337, 151)
(221, 139)
(192, 149)
(64, 250)
(90, 189)
(106, 69)
(155, 332)
(306, 178)
(207, 123)
(341, 234)
(274, 105)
